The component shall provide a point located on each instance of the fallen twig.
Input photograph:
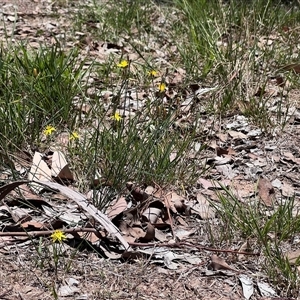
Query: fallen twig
(181, 244)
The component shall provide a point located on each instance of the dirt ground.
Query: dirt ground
(91, 277)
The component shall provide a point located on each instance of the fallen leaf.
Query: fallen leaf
(111, 254)
(173, 156)
(150, 234)
(218, 263)
(236, 135)
(33, 225)
(176, 203)
(243, 188)
(225, 151)
(222, 160)
(38, 171)
(67, 290)
(203, 208)
(223, 138)
(212, 184)
(265, 290)
(276, 183)
(177, 78)
(266, 191)
(288, 156)
(24, 192)
(280, 81)
(160, 235)
(205, 183)
(181, 221)
(202, 91)
(136, 231)
(287, 190)
(137, 193)
(129, 238)
(247, 286)
(20, 214)
(60, 167)
(227, 171)
(118, 207)
(89, 236)
(183, 234)
(149, 190)
(293, 256)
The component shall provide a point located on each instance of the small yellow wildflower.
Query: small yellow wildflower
(74, 136)
(58, 235)
(123, 64)
(49, 130)
(153, 73)
(116, 117)
(35, 72)
(162, 87)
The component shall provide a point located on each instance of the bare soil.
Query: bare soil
(22, 277)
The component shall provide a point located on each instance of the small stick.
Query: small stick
(180, 244)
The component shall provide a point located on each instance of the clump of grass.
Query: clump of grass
(37, 88)
(270, 232)
(237, 46)
(144, 146)
(110, 21)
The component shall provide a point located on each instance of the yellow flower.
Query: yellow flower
(123, 64)
(58, 235)
(116, 117)
(162, 87)
(153, 73)
(49, 130)
(74, 136)
(35, 72)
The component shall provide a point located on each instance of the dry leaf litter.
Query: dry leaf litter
(160, 234)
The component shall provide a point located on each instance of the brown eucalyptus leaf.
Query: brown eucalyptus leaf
(32, 225)
(137, 193)
(218, 263)
(117, 208)
(266, 191)
(293, 256)
(150, 233)
(89, 236)
(225, 151)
